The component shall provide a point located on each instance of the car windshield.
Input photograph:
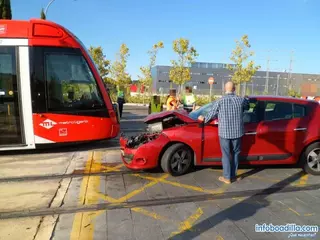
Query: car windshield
(201, 111)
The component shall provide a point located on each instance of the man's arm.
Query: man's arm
(213, 112)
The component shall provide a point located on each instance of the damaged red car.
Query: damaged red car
(278, 130)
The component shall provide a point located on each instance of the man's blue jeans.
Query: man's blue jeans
(231, 149)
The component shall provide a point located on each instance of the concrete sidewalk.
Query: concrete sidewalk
(36, 181)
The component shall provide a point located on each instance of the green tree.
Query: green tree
(42, 14)
(145, 79)
(180, 72)
(118, 70)
(5, 9)
(240, 56)
(101, 62)
(293, 93)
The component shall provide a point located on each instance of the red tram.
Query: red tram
(50, 88)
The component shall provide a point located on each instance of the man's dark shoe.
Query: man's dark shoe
(236, 179)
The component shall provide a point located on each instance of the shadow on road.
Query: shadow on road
(241, 210)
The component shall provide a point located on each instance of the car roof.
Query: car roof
(283, 99)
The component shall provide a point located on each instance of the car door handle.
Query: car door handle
(250, 133)
(300, 129)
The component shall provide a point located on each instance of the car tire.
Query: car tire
(308, 156)
(177, 159)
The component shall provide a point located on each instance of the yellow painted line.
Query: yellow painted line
(238, 198)
(303, 180)
(187, 224)
(294, 211)
(83, 223)
(309, 214)
(194, 188)
(153, 215)
(143, 211)
(97, 167)
(219, 237)
(134, 192)
(85, 181)
(115, 169)
(289, 208)
(266, 179)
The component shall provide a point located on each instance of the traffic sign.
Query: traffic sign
(211, 80)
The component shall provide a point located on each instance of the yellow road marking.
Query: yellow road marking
(187, 224)
(134, 192)
(298, 214)
(241, 171)
(294, 211)
(85, 181)
(266, 179)
(289, 208)
(309, 214)
(194, 188)
(238, 198)
(97, 167)
(303, 180)
(219, 237)
(83, 223)
(153, 215)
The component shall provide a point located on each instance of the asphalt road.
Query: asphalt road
(85, 192)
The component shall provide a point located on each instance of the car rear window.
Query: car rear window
(299, 111)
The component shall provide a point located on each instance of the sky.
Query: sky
(276, 28)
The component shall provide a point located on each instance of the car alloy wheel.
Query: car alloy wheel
(310, 159)
(180, 161)
(313, 160)
(177, 159)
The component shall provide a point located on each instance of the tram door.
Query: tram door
(16, 129)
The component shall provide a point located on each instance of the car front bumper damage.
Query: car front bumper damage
(143, 150)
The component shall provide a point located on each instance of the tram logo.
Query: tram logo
(48, 124)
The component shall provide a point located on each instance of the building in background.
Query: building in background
(262, 83)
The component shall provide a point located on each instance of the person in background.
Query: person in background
(317, 99)
(120, 101)
(189, 100)
(229, 110)
(172, 100)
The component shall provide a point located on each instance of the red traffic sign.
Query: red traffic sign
(211, 80)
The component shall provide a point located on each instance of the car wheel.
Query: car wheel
(177, 160)
(310, 161)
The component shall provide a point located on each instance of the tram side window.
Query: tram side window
(70, 83)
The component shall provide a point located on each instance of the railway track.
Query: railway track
(251, 194)
(76, 174)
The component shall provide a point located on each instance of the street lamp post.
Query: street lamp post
(278, 82)
(47, 7)
(45, 11)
